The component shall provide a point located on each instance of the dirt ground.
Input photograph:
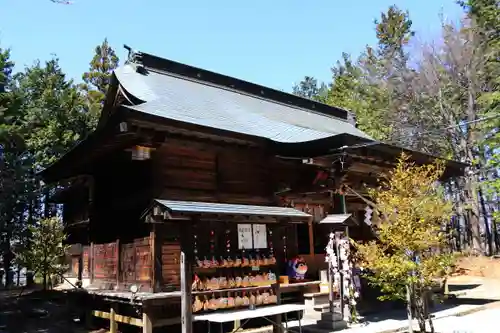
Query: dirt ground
(487, 267)
(36, 311)
(47, 312)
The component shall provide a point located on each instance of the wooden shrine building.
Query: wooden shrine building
(195, 183)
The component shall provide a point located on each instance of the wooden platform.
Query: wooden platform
(147, 296)
(127, 295)
(242, 314)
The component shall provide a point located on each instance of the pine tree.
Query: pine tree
(485, 17)
(53, 116)
(351, 90)
(375, 85)
(17, 189)
(310, 88)
(98, 78)
(6, 98)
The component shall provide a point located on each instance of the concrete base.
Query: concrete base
(332, 321)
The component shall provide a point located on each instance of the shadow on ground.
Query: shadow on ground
(461, 287)
(400, 314)
(35, 312)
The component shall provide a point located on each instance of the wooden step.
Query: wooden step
(317, 310)
(317, 294)
(326, 307)
(313, 299)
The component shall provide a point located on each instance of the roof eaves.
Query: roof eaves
(165, 65)
(194, 207)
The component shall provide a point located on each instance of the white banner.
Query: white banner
(245, 236)
(259, 236)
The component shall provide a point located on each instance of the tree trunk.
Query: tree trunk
(420, 310)
(431, 323)
(494, 225)
(484, 210)
(496, 236)
(44, 281)
(409, 306)
(47, 207)
(469, 203)
(473, 214)
(471, 178)
(7, 260)
(465, 234)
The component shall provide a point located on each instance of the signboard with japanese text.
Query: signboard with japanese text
(245, 236)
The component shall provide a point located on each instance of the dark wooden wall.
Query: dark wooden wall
(122, 191)
(208, 172)
(76, 206)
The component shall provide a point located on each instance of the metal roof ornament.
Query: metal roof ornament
(133, 56)
(351, 119)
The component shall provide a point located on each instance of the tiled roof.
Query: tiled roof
(230, 209)
(196, 102)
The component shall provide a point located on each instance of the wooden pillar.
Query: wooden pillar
(311, 236)
(278, 328)
(147, 322)
(118, 263)
(341, 282)
(91, 262)
(280, 231)
(89, 318)
(237, 324)
(152, 239)
(87, 305)
(113, 325)
(80, 266)
(186, 277)
(156, 242)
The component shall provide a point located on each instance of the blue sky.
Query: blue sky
(270, 42)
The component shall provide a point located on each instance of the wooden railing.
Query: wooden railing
(105, 261)
(120, 265)
(136, 261)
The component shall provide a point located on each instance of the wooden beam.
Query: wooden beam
(157, 280)
(321, 162)
(278, 328)
(154, 276)
(168, 216)
(147, 323)
(113, 326)
(311, 236)
(118, 318)
(379, 165)
(91, 262)
(186, 277)
(166, 322)
(197, 134)
(118, 263)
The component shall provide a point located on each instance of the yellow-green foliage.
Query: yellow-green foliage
(412, 211)
(46, 252)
